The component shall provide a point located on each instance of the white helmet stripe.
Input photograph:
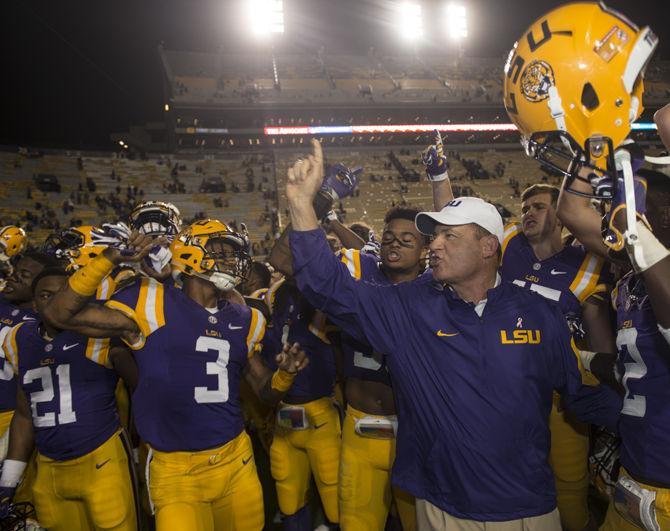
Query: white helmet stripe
(639, 56)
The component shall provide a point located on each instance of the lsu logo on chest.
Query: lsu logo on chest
(520, 337)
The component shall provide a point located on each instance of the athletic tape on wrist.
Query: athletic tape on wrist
(87, 279)
(12, 472)
(282, 380)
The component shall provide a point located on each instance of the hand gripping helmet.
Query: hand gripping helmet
(156, 218)
(13, 241)
(74, 245)
(225, 267)
(573, 86)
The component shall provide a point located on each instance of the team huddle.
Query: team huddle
(453, 373)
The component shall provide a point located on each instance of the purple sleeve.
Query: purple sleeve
(368, 312)
(593, 404)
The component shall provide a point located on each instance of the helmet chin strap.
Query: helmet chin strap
(631, 238)
(222, 281)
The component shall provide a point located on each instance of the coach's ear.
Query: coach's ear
(490, 246)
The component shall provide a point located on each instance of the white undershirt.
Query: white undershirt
(479, 307)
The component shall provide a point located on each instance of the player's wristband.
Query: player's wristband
(438, 178)
(282, 380)
(652, 251)
(87, 279)
(12, 472)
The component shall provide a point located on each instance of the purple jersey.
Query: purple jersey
(569, 277)
(294, 320)
(10, 315)
(359, 359)
(190, 363)
(644, 358)
(473, 393)
(69, 385)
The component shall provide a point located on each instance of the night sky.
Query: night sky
(73, 71)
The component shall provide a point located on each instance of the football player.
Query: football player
(77, 246)
(307, 431)
(193, 347)
(16, 305)
(84, 467)
(370, 422)
(578, 108)
(535, 256)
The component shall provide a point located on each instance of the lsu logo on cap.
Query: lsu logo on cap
(453, 203)
(520, 337)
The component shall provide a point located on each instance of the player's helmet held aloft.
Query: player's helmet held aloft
(75, 245)
(211, 250)
(13, 241)
(573, 85)
(156, 218)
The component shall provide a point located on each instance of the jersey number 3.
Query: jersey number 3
(204, 395)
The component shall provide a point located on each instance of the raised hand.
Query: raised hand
(340, 181)
(136, 248)
(434, 160)
(292, 358)
(305, 177)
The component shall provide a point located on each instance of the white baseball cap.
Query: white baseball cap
(461, 211)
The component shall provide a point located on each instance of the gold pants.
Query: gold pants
(365, 491)
(216, 489)
(94, 491)
(296, 455)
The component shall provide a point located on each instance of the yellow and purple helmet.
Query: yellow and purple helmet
(225, 266)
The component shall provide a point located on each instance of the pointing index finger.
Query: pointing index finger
(318, 153)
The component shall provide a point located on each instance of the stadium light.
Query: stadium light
(410, 22)
(457, 22)
(265, 17)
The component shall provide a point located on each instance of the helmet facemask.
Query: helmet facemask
(156, 219)
(226, 262)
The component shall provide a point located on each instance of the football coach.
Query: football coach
(473, 364)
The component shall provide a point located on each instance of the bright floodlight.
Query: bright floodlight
(265, 17)
(457, 21)
(410, 22)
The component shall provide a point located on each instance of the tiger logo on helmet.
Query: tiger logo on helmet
(156, 218)
(75, 245)
(573, 86)
(13, 241)
(211, 250)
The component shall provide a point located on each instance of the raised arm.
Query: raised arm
(371, 312)
(435, 162)
(662, 119)
(72, 307)
(579, 217)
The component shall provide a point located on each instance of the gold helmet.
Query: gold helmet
(156, 218)
(573, 85)
(74, 245)
(13, 241)
(224, 267)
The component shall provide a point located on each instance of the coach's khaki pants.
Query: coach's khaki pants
(430, 518)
